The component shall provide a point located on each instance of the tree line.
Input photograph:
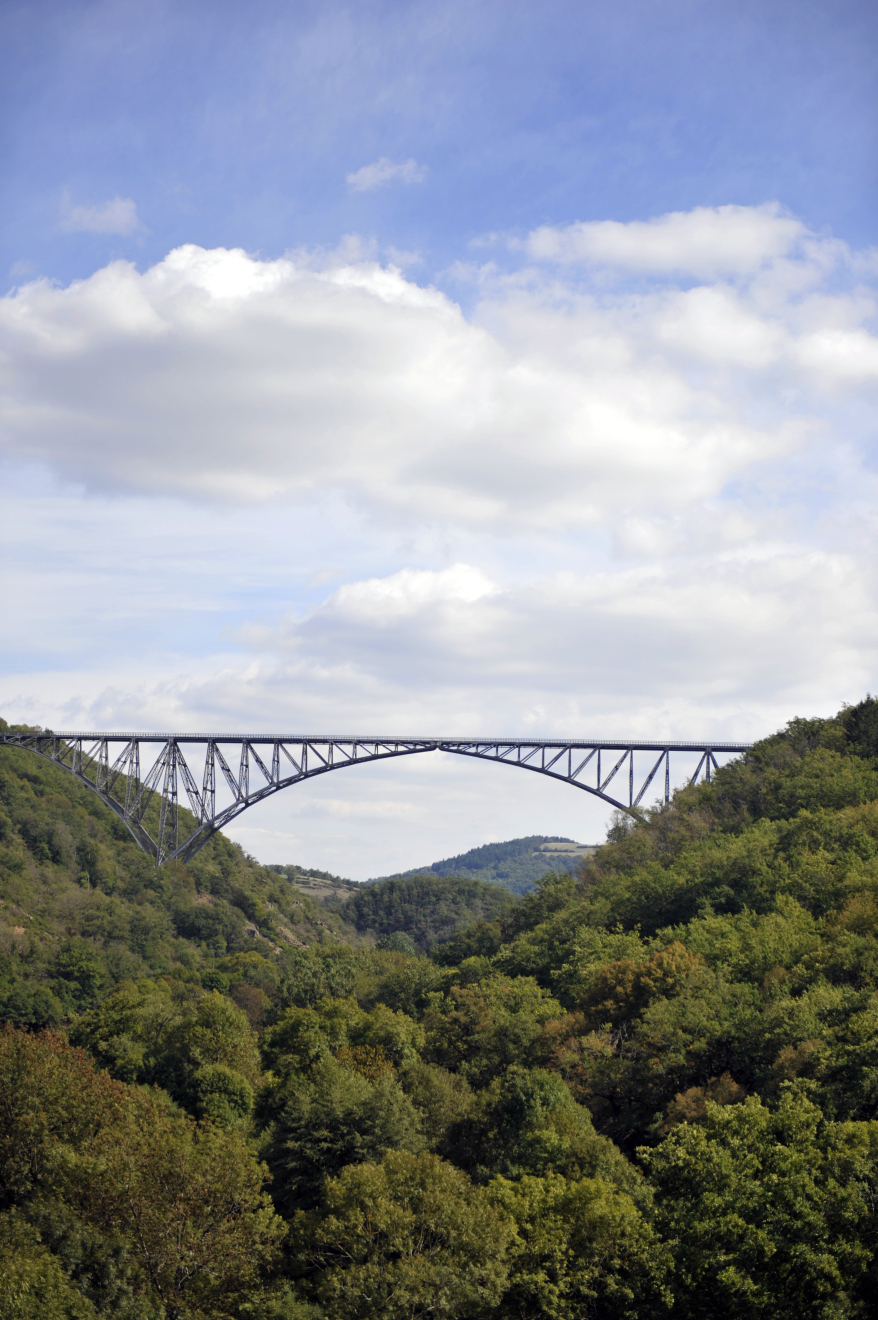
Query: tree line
(646, 1089)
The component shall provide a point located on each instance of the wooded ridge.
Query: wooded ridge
(646, 1088)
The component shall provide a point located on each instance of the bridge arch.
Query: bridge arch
(247, 768)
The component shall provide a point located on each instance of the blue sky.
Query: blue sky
(233, 124)
(437, 367)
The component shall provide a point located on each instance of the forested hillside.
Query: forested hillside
(515, 865)
(647, 1089)
(421, 911)
(82, 908)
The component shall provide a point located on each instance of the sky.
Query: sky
(436, 369)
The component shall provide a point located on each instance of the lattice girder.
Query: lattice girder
(118, 783)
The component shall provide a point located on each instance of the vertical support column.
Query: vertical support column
(208, 790)
(631, 778)
(132, 779)
(244, 771)
(102, 769)
(275, 763)
(168, 820)
(667, 776)
(707, 765)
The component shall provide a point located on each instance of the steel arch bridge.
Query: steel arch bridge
(110, 764)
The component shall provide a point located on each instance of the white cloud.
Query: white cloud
(219, 376)
(412, 589)
(384, 171)
(118, 216)
(704, 242)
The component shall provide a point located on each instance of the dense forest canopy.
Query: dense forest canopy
(647, 1088)
(419, 911)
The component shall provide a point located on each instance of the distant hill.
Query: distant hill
(426, 909)
(319, 884)
(515, 865)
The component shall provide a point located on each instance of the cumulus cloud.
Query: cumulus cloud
(384, 170)
(118, 216)
(705, 242)
(218, 376)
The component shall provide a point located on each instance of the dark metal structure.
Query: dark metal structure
(264, 764)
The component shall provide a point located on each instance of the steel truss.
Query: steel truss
(282, 761)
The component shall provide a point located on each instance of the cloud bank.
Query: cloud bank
(214, 375)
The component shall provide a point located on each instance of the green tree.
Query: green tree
(181, 1206)
(50, 1097)
(583, 1249)
(527, 1122)
(482, 1029)
(331, 1118)
(190, 1199)
(80, 972)
(441, 1097)
(400, 1240)
(762, 1220)
(194, 1044)
(33, 1285)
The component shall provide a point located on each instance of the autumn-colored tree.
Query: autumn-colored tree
(623, 989)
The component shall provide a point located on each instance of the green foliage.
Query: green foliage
(135, 1200)
(399, 942)
(309, 975)
(332, 1118)
(82, 909)
(481, 1029)
(33, 1285)
(582, 1248)
(860, 724)
(527, 1123)
(765, 1218)
(442, 1098)
(427, 908)
(400, 1240)
(301, 1037)
(199, 1046)
(516, 865)
(190, 1198)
